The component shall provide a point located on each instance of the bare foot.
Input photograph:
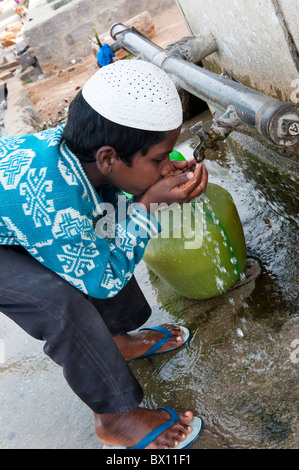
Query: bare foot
(127, 429)
(133, 345)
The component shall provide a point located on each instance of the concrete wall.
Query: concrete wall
(258, 41)
(58, 36)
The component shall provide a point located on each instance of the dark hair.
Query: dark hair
(86, 131)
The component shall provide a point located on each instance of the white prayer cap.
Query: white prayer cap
(135, 93)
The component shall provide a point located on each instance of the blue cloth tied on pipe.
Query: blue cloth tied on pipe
(105, 55)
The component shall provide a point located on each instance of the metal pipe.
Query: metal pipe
(277, 121)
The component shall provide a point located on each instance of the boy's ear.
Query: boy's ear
(105, 157)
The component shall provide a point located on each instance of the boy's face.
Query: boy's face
(145, 170)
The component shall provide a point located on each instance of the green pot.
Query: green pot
(204, 258)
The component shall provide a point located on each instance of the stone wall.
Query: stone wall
(60, 35)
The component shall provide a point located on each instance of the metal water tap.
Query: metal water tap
(219, 130)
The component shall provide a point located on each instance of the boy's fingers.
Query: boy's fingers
(201, 187)
(178, 164)
(181, 179)
(192, 183)
(184, 186)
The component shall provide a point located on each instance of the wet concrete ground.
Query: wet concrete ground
(235, 373)
(240, 369)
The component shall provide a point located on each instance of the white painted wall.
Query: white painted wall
(257, 40)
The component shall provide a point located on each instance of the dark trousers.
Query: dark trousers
(78, 330)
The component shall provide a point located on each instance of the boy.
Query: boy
(67, 272)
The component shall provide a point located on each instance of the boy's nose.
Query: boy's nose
(167, 166)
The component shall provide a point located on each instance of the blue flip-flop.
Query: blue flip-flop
(167, 335)
(196, 424)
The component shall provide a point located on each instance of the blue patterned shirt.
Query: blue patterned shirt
(92, 239)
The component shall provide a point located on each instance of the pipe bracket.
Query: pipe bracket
(193, 48)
